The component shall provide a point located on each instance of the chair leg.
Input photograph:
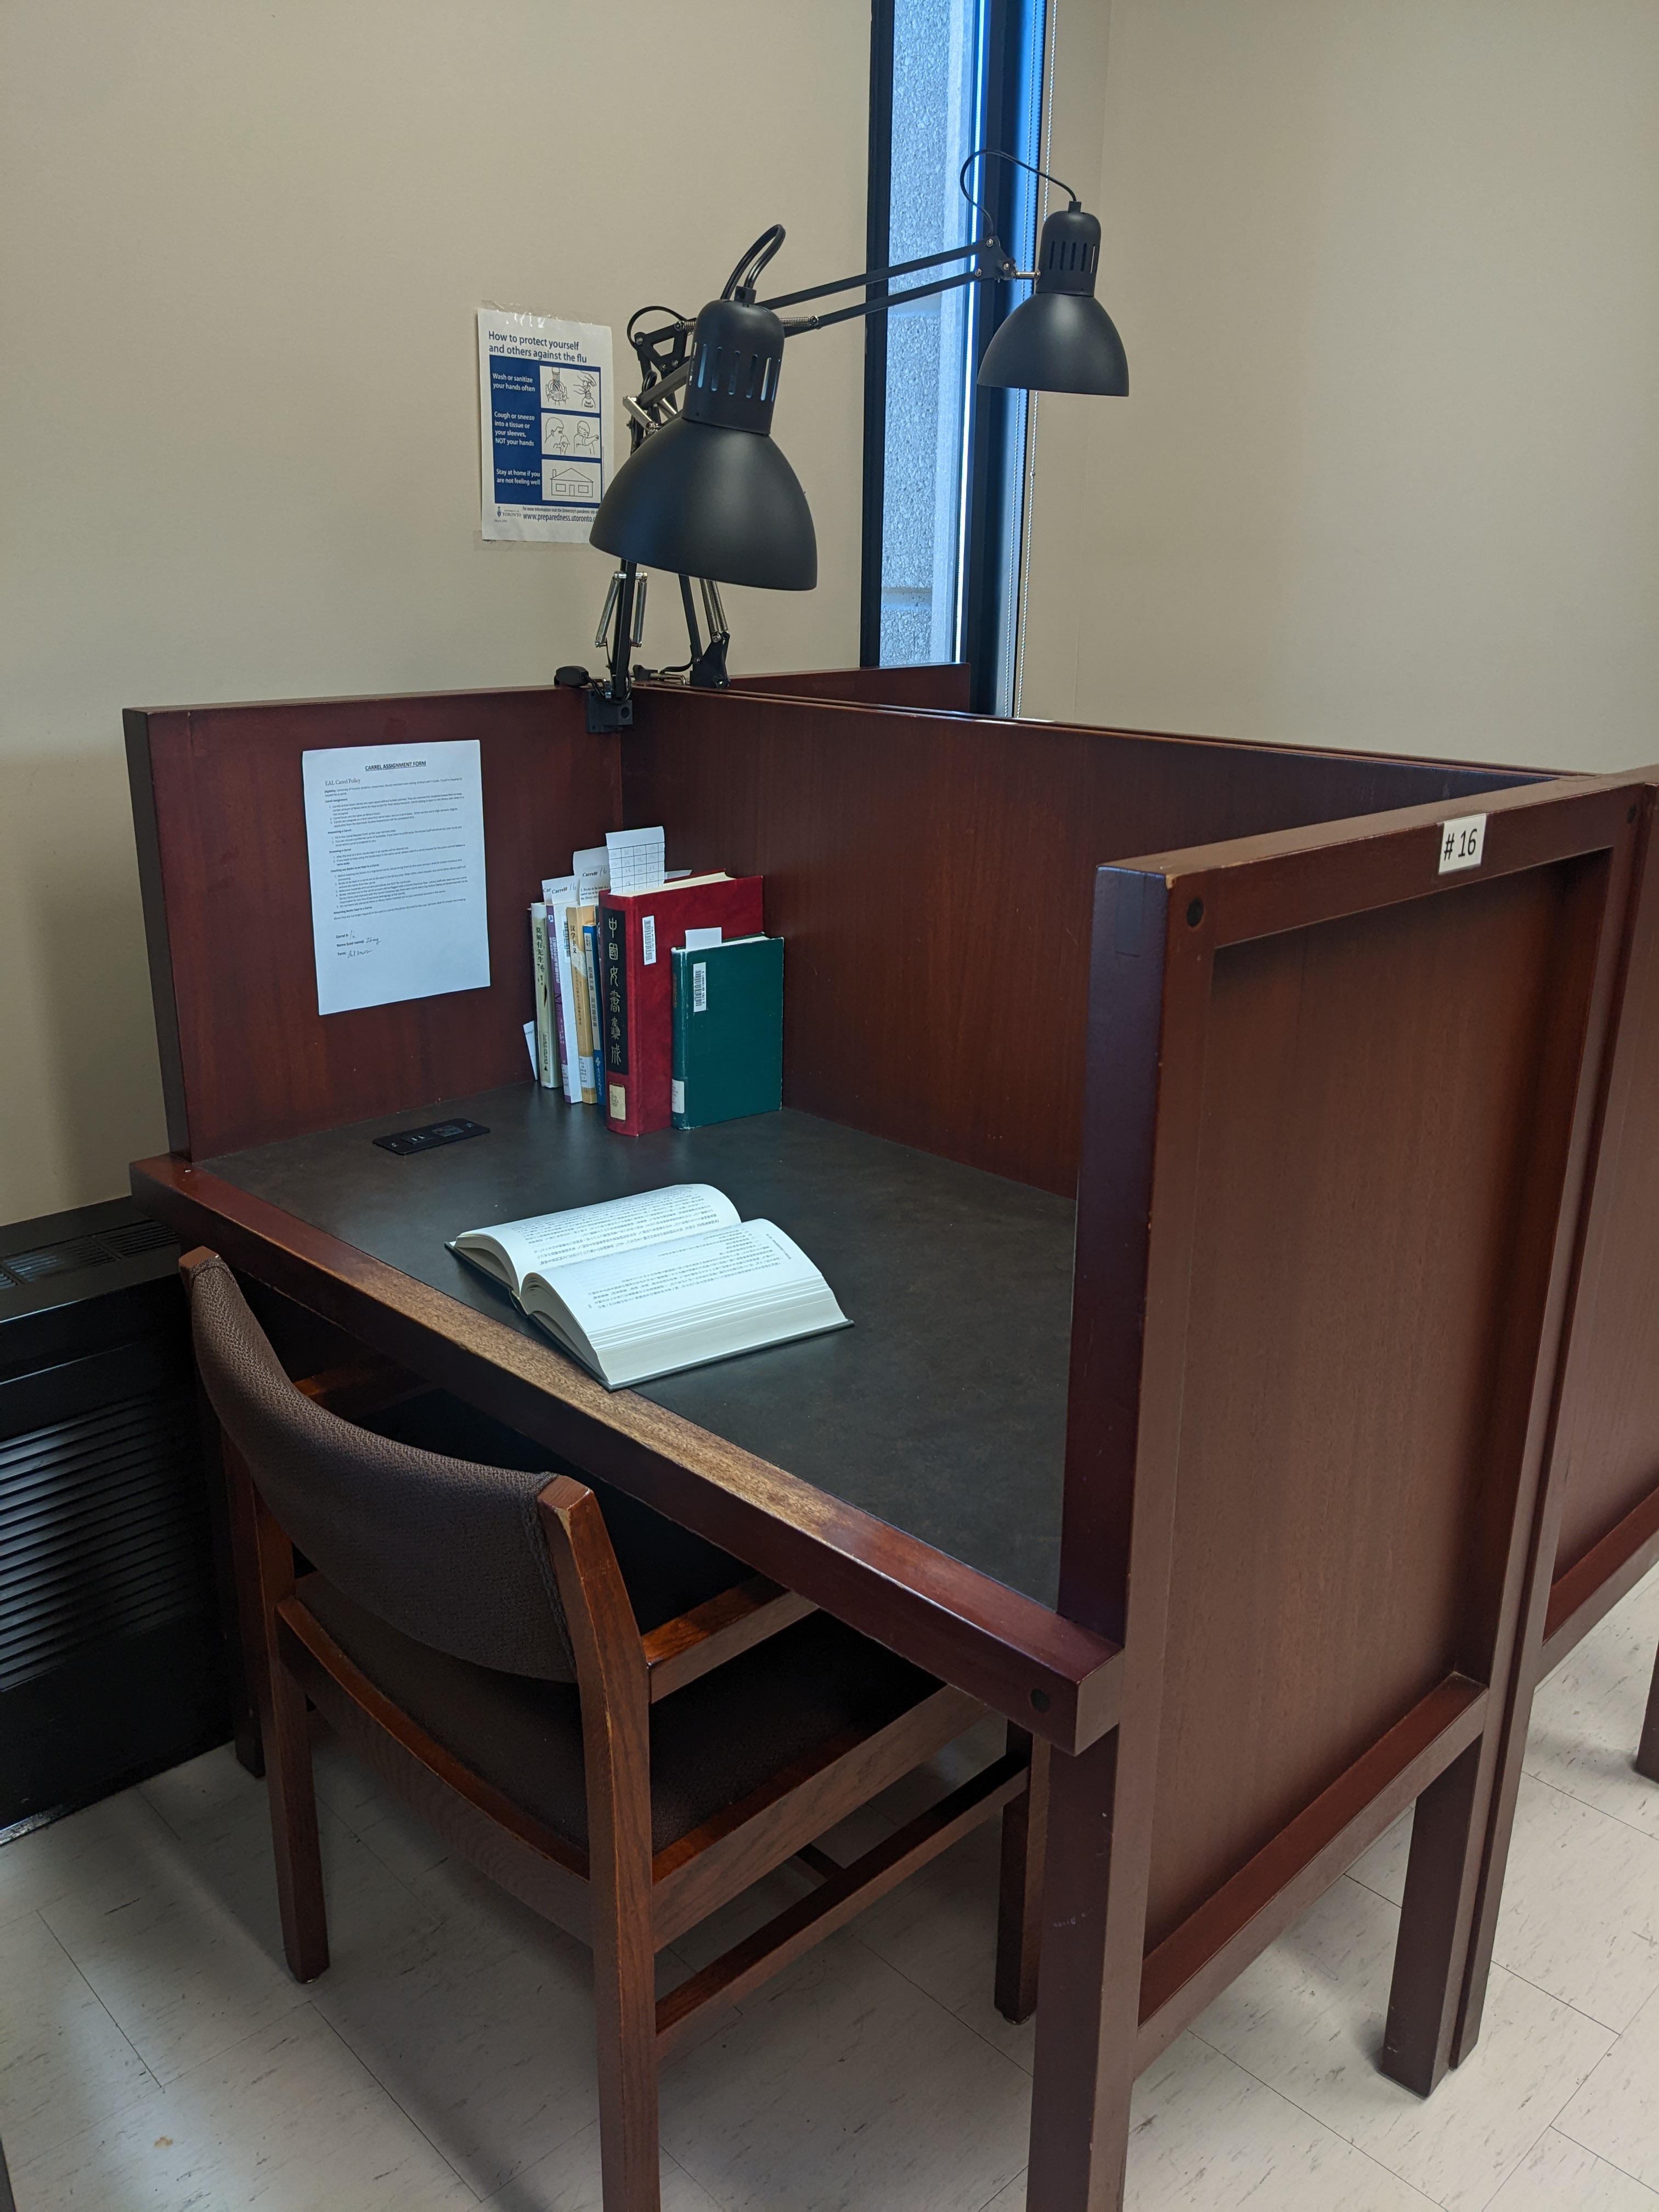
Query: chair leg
(289, 1783)
(292, 1791)
(1647, 1757)
(611, 1676)
(625, 2017)
(1019, 1917)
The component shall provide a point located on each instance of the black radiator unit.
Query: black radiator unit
(112, 1652)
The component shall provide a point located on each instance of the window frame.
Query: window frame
(1014, 72)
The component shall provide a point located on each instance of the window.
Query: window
(944, 463)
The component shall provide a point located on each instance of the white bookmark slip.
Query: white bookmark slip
(636, 859)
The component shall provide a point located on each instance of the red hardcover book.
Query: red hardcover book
(637, 931)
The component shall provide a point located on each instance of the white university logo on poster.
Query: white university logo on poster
(544, 416)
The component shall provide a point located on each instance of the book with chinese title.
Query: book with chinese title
(639, 934)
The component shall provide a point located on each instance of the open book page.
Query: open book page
(646, 1312)
(544, 1243)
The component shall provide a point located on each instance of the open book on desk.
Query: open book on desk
(642, 1286)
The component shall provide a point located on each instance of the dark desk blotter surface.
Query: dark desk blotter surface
(942, 1410)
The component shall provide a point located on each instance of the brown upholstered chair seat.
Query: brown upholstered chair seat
(712, 1744)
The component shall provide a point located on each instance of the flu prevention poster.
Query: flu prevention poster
(545, 411)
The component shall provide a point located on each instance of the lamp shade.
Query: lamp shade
(709, 494)
(1061, 339)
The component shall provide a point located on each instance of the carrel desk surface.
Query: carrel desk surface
(942, 1410)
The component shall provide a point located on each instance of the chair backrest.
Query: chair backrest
(450, 1553)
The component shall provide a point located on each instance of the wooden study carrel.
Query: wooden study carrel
(1239, 1487)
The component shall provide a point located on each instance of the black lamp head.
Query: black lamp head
(1061, 339)
(709, 494)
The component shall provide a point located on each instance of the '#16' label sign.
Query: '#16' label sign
(1463, 843)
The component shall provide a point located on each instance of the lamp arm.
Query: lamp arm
(988, 245)
(661, 381)
(795, 325)
(999, 269)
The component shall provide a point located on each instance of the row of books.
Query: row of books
(565, 947)
(661, 1005)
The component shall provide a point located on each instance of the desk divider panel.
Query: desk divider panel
(1367, 1153)
(1600, 1525)
(932, 872)
(932, 878)
(219, 813)
(1339, 1122)
(1608, 1438)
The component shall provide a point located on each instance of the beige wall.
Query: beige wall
(211, 490)
(1387, 274)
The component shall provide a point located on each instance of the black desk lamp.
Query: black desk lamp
(705, 493)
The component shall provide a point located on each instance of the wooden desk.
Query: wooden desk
(1331, 1118)
(941, 1411)
(924, 1448)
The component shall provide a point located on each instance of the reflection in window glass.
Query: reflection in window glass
(936, 101)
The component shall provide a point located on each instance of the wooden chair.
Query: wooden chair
(470, 1633)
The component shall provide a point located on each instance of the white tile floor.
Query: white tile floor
(154, 2053)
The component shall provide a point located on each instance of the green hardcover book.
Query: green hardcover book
(728, 1031)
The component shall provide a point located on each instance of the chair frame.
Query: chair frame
(623, 1899)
